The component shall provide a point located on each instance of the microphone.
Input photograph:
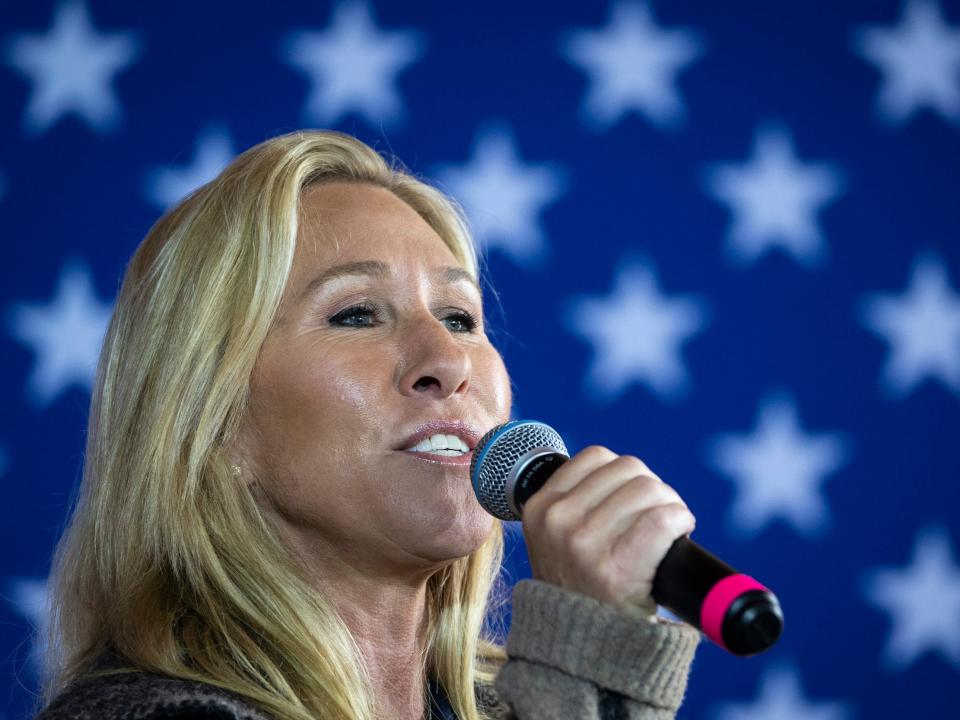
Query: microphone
(512, 461)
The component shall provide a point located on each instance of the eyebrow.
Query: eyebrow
(455, 274)
(376, 268)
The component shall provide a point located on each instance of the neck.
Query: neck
(386, 614)
(389, 626)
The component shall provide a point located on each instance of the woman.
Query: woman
(276, 519)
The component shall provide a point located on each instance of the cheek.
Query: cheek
(315, 407)
(496, 384)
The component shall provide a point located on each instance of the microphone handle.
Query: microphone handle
(732, 609)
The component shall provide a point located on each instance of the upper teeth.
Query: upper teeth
(439, 442)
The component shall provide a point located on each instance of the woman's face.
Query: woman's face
(379, 345)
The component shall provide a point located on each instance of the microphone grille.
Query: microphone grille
(497, 454)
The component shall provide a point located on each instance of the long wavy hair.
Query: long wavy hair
(167, 559)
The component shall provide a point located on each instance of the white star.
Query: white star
(920, 61)
(72, 68)
(637, 332)
(923, 328)
(352, 66)
(66, 335)
(29, 599)
(778, 469)
(503, 196)
(214, 151)
(923, 600)
(633, 64)
(774, 199)
(781, 697)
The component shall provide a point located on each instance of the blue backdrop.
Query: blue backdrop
(724, 238)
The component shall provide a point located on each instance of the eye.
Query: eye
(461, 322)
(355, 316)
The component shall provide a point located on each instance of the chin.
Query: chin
(462, 538)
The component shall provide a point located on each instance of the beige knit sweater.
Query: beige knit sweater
(570, 657)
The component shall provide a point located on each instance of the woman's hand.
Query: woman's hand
(601, 525)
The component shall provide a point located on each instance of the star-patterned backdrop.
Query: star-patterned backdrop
(720, 236)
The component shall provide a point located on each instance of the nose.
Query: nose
(435, 363)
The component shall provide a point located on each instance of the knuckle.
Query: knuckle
(556, 518)
(633, 465)
(669, 495)
(654, 484)
(579, 541)
(635, 490)
(668, 518)
(596, 453)
(642, 488)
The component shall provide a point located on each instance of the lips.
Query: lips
(463, 430)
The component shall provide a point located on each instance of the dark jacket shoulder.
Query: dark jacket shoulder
(147, 696)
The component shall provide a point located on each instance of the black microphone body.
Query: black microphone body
(514, 460)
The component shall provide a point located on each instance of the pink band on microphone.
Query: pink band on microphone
(718, 601)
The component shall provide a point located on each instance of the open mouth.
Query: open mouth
(441, 444)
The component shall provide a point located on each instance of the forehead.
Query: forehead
(347, 222)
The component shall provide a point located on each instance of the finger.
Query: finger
(550, 507)
(575, 469)
(652, 533)
(606, 479)
(621, 507)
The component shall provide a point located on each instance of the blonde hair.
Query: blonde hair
(167, 558)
